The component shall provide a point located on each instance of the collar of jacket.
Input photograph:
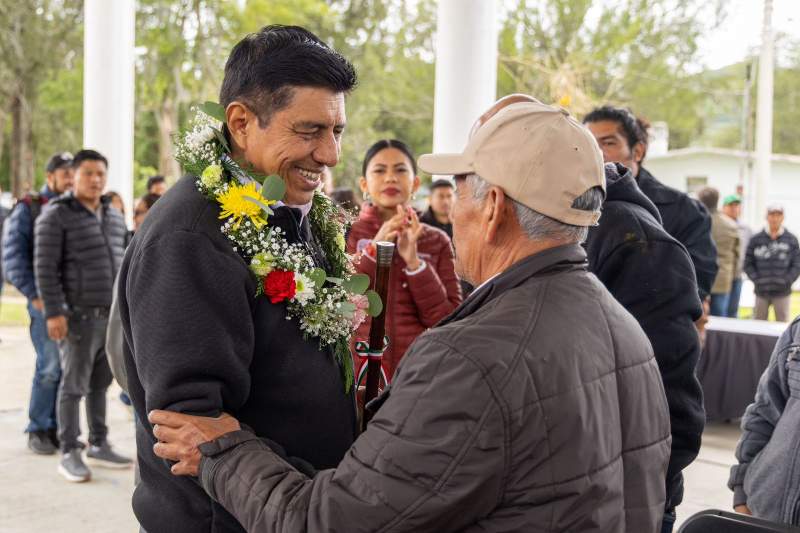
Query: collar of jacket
(46, 193)
(369, 215)
(69, 199)
(561, 258)
(654, 189)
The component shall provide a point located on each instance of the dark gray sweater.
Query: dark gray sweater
(198, 341)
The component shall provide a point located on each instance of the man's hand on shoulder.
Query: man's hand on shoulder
(179, 437)
(57, 327)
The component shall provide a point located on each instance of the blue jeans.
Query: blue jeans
(668, 522)
(42, 408)
(719, 304)
(733, 298)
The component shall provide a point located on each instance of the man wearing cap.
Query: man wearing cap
(536, 406)
(17, 262)
(726, 238)
(732, 207)
(772, 262)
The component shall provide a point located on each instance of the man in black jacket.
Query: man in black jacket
(79, 244)
(623, 139)
(197, 339)
(772, 262)
(651, 275)
(440, 205)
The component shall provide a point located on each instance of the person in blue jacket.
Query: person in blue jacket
(17, 264)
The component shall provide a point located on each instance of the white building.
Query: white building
(691, 169)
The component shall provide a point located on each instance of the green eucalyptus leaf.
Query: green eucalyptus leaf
(375, 303)
(318, 277)
(335, 281)
(347, 309)
(213, 109)
(357, 283)
(273, 188)
(260, 204)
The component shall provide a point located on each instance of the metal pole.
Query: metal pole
(466, 69)
(764, 119)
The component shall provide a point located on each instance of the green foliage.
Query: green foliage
(638, 53)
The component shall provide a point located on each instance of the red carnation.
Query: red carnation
(279, 285)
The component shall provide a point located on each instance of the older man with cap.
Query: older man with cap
(772, 262)
(536, 406)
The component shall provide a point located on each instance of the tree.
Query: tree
(635, 53)
(38, 39)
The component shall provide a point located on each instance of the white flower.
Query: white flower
(304, 288)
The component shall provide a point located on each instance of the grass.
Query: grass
(747, 312)
(13, 313)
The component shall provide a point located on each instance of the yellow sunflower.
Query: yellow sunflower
(234, 204)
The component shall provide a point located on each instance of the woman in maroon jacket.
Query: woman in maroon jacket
(423, 288)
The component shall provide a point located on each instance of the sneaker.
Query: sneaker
(39, 443)
(103, 455)
(52, 434)
(72, 467)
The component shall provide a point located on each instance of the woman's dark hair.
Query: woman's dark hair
(263, 68)
(634, 129)
(345, 198)
(382, 145)
(146, 201)
(114, 195)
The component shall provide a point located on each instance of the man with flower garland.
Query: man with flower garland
(536, 405)
(200, 337)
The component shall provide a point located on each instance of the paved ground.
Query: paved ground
(34, 498)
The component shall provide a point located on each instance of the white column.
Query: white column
(108, 88)
(764, 120)
(466, 69)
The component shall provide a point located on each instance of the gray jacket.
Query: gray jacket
(536, 406)
(76, 255)
(767, 477)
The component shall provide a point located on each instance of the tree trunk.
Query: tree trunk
(167, 119)
(21, 153)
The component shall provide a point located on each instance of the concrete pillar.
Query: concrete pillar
(764, 120)
(466, 69)
(108, 89)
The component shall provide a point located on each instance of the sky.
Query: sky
(741, 30)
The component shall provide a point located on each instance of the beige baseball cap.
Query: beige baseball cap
(538, 154)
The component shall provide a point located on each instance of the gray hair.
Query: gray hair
(538, 226)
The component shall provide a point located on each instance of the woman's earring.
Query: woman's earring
(414, 196)
(366, 196)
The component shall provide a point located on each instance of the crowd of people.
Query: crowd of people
(62, 248)
(541, 361)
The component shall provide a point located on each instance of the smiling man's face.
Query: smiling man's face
(299, 142)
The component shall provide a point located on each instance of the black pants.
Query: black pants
(85, 373)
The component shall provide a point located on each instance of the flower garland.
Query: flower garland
(329, 308)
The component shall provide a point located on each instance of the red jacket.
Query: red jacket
(415, 303)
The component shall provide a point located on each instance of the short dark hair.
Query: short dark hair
(634, 129)
(442, 183)
(155, 180)
(263, 68)
(148, 200)
(88, 155)
(373, 150)
(709, 197)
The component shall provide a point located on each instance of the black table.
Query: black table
(735, 355)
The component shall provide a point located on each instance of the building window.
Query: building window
(695, 183)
